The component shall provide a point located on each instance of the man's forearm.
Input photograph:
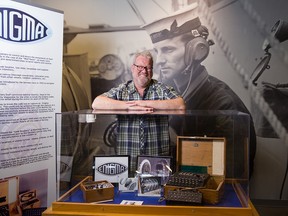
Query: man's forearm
(103, 102)
(172, 104)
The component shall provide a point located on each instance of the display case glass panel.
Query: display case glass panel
(82, 135)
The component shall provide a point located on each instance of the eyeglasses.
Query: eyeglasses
(141, 68)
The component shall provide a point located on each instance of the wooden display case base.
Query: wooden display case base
(72, 209)
(76, 209)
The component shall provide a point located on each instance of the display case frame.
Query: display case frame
(76, 128)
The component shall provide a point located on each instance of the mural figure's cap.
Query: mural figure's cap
(176, 24)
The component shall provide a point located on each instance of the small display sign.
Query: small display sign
(111, 168)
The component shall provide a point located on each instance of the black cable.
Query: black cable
(284, 180)
(110, 135)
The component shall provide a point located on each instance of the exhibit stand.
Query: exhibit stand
(206, 172)
(31, 41)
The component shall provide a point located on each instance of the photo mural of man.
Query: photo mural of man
(112, 72)
(141, 134)
(181, 43)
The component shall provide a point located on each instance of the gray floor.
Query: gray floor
(271, 207)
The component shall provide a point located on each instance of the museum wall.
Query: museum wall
(238, 28)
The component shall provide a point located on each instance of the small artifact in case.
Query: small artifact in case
(29, 200)
(188, 179)
(149, 185)
(183, 197)
(97, 191)
(205, 154)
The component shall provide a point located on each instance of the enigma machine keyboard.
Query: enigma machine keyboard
(188, 179)
(191, 197)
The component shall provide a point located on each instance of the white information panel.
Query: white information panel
(31, 42)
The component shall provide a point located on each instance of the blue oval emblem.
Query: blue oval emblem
(112, 168)
(18, 26)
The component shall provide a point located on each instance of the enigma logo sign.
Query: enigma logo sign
(18, 26)
(112, 168)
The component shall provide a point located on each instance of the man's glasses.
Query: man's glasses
(141, 68)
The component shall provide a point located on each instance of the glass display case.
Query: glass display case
(206, 143)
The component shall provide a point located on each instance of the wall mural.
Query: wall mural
(192, 53)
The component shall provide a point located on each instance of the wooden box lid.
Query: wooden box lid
(208, 152)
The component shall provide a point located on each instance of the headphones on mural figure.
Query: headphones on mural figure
(196, 50)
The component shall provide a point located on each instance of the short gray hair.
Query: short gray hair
(147, 54)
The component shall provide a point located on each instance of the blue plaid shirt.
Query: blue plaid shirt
(142, 134)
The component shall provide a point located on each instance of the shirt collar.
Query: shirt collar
(132, 89)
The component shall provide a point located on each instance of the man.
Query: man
(141, 134)
(180, 43)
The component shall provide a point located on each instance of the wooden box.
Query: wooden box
(9, 195)
(97, 191)
(203, 155)
(29, 200)
(4, 184)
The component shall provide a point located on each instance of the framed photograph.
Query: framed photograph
(155, 166)
(111, 168)
(149, 186)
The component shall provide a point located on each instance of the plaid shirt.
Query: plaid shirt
(142, 134)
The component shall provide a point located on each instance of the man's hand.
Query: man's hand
(169, 104)
(139, 106)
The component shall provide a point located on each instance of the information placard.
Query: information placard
(31, 41)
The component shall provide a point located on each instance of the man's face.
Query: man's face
(142, 71)
(170, 57)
